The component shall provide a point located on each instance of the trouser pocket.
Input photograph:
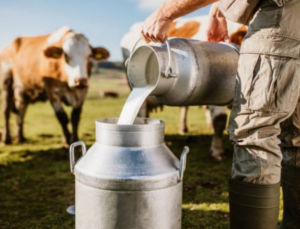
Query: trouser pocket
(267, 83)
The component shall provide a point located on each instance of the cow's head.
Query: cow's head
(75, 53)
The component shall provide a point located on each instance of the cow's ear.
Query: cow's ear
(100, 53)
(237, 38)
(53, 52)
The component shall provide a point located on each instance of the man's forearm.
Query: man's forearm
(173, 9)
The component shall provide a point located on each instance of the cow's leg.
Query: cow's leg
(6, 108)
(208, 117)
(183, 129)
(62, 118)
(75, 117)
(219, 119)
(21, 109)
(7, 100)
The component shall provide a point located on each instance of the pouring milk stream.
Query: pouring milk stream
(133, 105)
(142, 87)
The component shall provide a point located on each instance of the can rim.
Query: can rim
(140, 124)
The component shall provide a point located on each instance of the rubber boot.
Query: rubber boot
(253, 206)
(290, 180)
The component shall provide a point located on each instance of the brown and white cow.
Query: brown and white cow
(55, 67)
(194, 28)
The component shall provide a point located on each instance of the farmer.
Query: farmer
(265, 120)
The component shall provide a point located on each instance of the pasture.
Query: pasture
(36, 185)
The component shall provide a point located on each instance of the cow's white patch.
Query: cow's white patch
(180, 23)
(201, 33)
(57, 35)
(76, 50)
(217, 110)
(208, 118)
(6, 66)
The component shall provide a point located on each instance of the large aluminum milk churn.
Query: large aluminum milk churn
(186, 72)
(128, 179)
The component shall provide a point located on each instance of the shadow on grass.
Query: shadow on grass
(212, 219)
(205, 180)
(36, 190)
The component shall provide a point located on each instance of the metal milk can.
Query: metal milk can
(128, 179)
(186, 72)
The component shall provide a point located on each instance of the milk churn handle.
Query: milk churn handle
(182, 166)
(132, 50)
(168, 72)
(72, 155)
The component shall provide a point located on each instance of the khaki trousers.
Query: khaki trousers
(265, 120)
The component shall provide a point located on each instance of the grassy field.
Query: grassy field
(36, 185)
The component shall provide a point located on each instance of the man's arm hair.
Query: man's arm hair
(173, 9)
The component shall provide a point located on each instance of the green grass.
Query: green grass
(36, 185)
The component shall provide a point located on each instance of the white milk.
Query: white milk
(144, 79)
(133, 104)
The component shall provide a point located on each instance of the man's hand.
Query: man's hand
(217, 26)
(155, 28)
(217, 30)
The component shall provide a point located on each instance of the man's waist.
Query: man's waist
(272, 44)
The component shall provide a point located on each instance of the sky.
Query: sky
(103, 22)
